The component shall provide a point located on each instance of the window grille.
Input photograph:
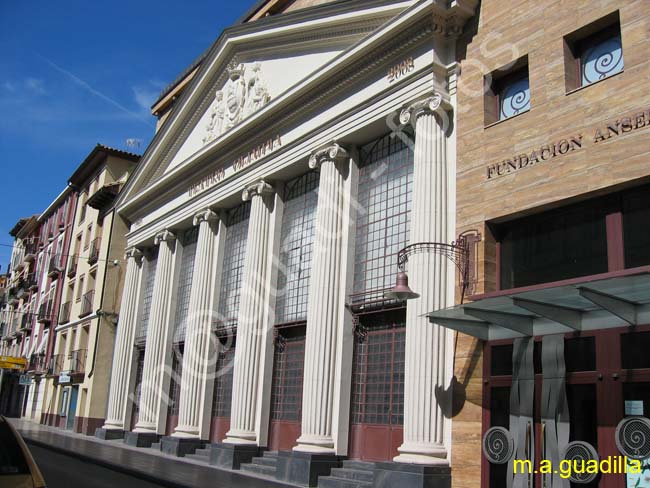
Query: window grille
(189, 240)
(378, 370)
(233, 264)
(297, 237)
(175, 382)
(150, 276)
(138, 386)
(222, 394)
(385, 193)
(288, 363)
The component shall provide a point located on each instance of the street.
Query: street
(61, 471)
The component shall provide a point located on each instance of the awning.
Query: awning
(590, 305)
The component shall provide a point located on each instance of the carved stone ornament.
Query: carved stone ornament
(133, 252)
(206, 215)
(420, 107)
(259, 188)
(163, 236)
(244, 93)
(333, 152)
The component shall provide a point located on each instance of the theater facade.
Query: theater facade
(305, 151)
(553, 140)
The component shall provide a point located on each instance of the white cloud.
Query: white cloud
(35, 86)
(146, 95)
(9, 86)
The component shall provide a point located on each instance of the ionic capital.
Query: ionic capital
(424, 106)
(260, 188)
(206, 215)
(333, 152)
(133, 253)
(164, 236)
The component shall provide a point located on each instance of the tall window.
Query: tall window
(149, 276)
(189, 241)
(385, 192)
(296, 248)
(222, 394)
(233, 264)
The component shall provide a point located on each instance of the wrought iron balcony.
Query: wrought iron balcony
(87, 303)
(56, 364)
(26, 321)
(72, 269)
(56, 266)
(78, 361)
(37, 364)
(93, 255)
(64, 316)
(29, 282)
(45, 312)
(30, 252)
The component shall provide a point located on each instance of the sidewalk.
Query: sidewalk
(147, 464)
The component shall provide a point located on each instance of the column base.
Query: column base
(304, 468)
(141, 439)
(389, 475)
(180, 446)
(109, 434)
(232, 456)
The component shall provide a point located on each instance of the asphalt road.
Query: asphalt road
(62, 471)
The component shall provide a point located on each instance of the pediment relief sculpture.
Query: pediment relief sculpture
(244, 93)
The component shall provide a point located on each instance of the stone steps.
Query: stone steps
(264, 465)
(353, 474)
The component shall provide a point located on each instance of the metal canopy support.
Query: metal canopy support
(519, 323)
(469, 327)
(566, 316)
(615, 305)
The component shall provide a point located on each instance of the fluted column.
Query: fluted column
(120, 371)
(324, 319)
(197, 342)
(151, 393)
(250, 321)
(427, 355)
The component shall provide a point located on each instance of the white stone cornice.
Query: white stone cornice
(206, 215)
(333, 152)
(428, 105)
(133, 252)
(164, 236)
(260, 187)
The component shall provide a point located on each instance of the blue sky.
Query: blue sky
(76, 73)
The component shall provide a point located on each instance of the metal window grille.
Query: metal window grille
(190, 238)
(138, 386)
(288, 363)
(385, 193)
(297, 237)
(150, 276)
(222, 394)
(378, 370)
(175, 383)
(233, 265)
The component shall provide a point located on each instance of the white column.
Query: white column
(120, 371)
(250, 322)
(151, 393)
(325, 301)
(427, 355)
(197, 353)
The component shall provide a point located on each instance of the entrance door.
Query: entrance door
(377, 403)
(286, 389)
(72, 408)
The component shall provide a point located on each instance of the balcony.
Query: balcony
(26, 322)
(45, 312)
(78, 361)
(72, 269)
(87, 303)
(56, 364)
(56, 266)
(37, 364)
(30, 253)
(64, 316)
(30, 282)
(93, 256)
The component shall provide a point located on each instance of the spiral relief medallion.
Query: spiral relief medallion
(579, 452)
(498, 445)
(633, 437)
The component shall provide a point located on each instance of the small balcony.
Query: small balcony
(72, 269)
(64, 316)
(56, 266)
(87, 303)
(45, 312)
(56, 364)
(37, 364)
(93, 255)
(30, 253)
(26, 322)
(78, 361)
(30, 282)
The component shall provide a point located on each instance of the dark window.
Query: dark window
(501, 360)
(175, 382)
(139, 370)
(189, 240)
(507, 92)
(634, 350)
(636, 238)
(150, 276)
(583, 420)
(288, 363)
(222, 394)
(553, 246)
(580, 354)
(499, 417)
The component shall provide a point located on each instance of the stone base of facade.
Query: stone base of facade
(389, 475)
(232, 456)
(141, 439)
(304, 468)
(180, 446)
(109, 434)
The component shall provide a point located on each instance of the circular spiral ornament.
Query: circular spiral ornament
(633, 437)
(579, 452)
(603, 60)
(498, 445)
